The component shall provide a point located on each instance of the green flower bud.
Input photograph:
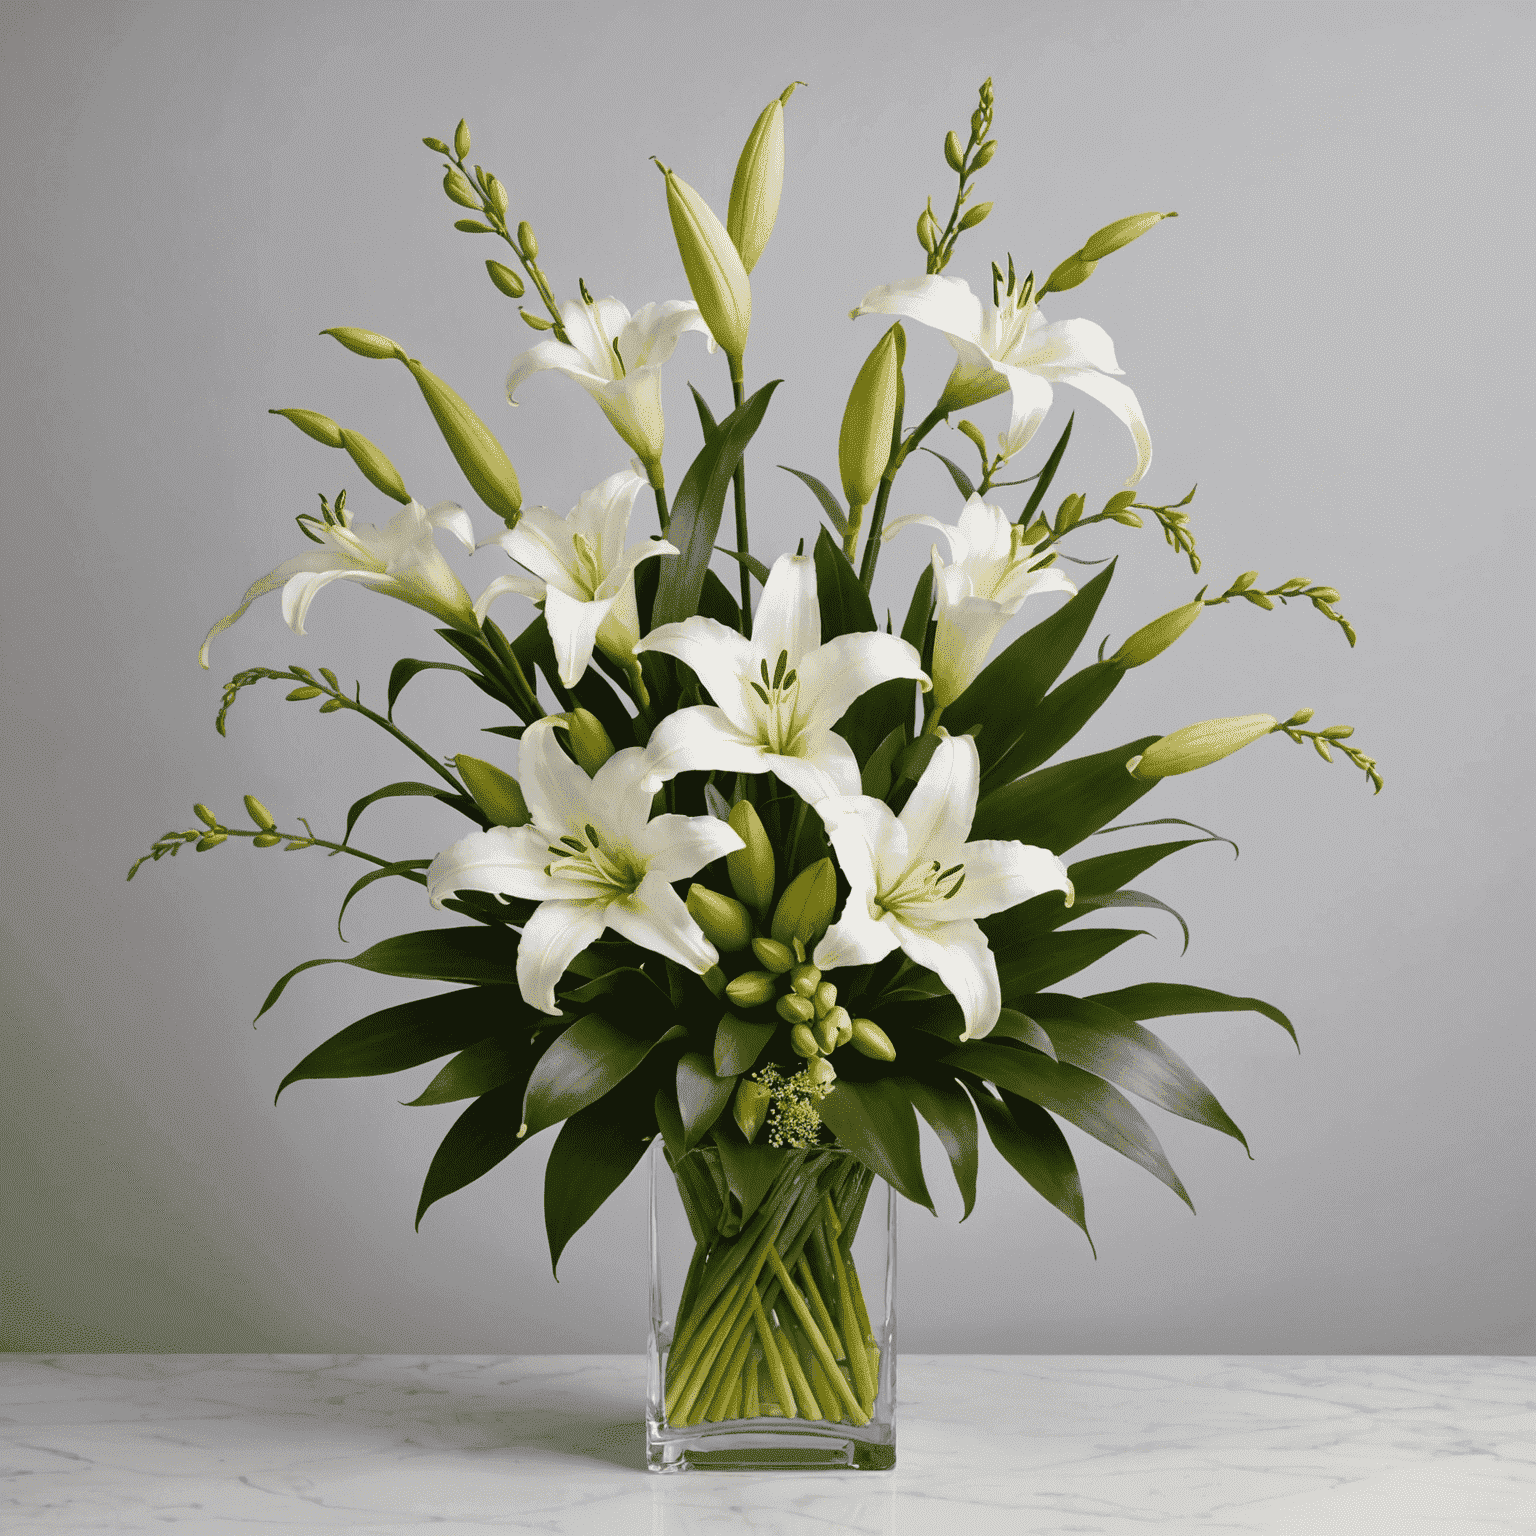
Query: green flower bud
(457, 186)
(1129, 518)
(844, 1026)
(1197, 746)
(375, 466)
(210, 840)
(1155, 638)
(984, 155)
(1301, 717)
(803, 1043)
(267, 839)
(313, 424)
(795, 1010)
(365, 343)
(773, 956)
(1258, 599)
(204, 815)
(259, 813)
(496, 194)
(868, 1039)
(973, 216)
(461, 139)
(1323, 595)
(527, 241)
(927, 231)
(498, 794)
(751, 1106)
(759, 183)
(300, 694)
(805, 909)
(751, 989)
(1113, 237)
(825, 999)
(1244, 581)
(1337, 732)
(536, 322)
(726, 923)
(1070, 512)
(822, 1072)
(506, 280)
(473, 227)
(869, 419)
(1120, 502)
(1069, 274)
(590, 743)
(825, 1031)
(751, 868)
(804, 980)
(713, 266)
(436, 145)
(331, 706)
(972, 431)
(953, 152)
(483, 460)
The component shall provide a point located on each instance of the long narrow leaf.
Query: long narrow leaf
(1053, 957)
(408, 667)
(701, 1094)
(1054, 721)
(844, 603)
(942, 1102)
(1135, 899)
(963, 482)
(738, 1044)
(407, 788)
(582, 1065)
(1162, 999)
(829, 503)
(479, 1139)
(593, 1154)
(1033, 1146)
(479, 1068)
(1047, 473)
(407, 869)
(874, 1120)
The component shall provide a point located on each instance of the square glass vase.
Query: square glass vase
(773, 1325)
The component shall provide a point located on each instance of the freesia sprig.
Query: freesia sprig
(1321, 597)
(1331, 736)
(965, 163)
(1122, 508)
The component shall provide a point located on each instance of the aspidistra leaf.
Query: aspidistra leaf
(844, 603)
(875, 1121)
(1033, 1146)
(943, 1103)
(738, 1044)
(701, 1095)
(479, 1068)
(479, 1139)
(594, 1153)
(581, 1065)
(1053, 957)
(1161, 999)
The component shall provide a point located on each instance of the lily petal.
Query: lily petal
(946, 303)
(299, 591)
(557, 932)
(676, 847)
(788, 615)
(524, 586)
(655, 918)
(1123, 402)
(504, 861)
(557, 791)
(573, 627)
(1000, 874)
(547, 355)
(855, 939)
(867, 839)
(939, 812)
(319, 561)
(958, 953)
(453, 517)
(720, 657)
(824, 766)
(837, 673)
(1032, 397)
(700, 737)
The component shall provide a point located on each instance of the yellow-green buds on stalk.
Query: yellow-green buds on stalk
(459, 191)
(1114, 237)
(259, 813)
(506, 280)
(928, 231)
(773, 956)
(527, 241)
(805, 909)
(751, 989)
(1198, 746)
(365, 343)
(591, 745)
(205, 816)
(803, 1043)
(804, 980)
(1069, 274)
(370, 458)
(869, 419)
(825, 999)
(313, 424)
(751, 868)
(751, 1106)
(973, 216)
(498, 794)
(825, 1031)
(759, 182)
(483, 459)
(266, 840)
(868, 1039)
(1155, 638)
(794, 1009)
(714, 269)
(724, 922)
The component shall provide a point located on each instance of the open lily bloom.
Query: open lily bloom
(400, 558)
(582, 572)
(778, 695)
(919, 886)
(592, 858)
(616, 357)
(1013, 347)
(984, 583)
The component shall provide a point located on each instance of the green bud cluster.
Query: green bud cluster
(1332, 736)
(965, 160)
(1321, 597)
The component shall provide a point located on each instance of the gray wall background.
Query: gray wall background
(1333, 339)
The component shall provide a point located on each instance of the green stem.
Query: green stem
(663, 515)
(877, 519)
(740, 483)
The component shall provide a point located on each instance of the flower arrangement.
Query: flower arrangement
(772, 882)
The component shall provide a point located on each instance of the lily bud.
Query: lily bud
(751, 989)
(313, 424)
(725, 923)
(869, 419)
(1155, 638)
(837, 1026)
(759, 183)
(1197, 746)
(952, 151)
(1070, 511)
(209, 840)
(436, 144)
(714, 269)
(825, 999)
(868, 1039)
(794, 1009)
(751, 868)
(825, 1031)
(590, 743)
(822, 1072)
(751, 1106)
(1069, 274)
(805, 909)
(259, 813)
(506, 280)
(498, 794)
(497, 194)
(1114, 236)
(365, 343)
(844, 1027)
(370, 458)
(803, 1043)
(984, 155)
(483, 459)
(773, 956)
(804, 980)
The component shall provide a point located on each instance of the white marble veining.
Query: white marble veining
(1043, 1445)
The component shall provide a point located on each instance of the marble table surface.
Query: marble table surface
(1351, 1445)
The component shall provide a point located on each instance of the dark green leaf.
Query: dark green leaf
(1014, 682)
(749, 1169)
(406, 868)
(395, 1039)
(1087, 1101)
(1054, 721)
(697, 506)
(874, 1120)
(1057, 807)
(829, 502)
(963, 482)
(479, 1139)
(582, 1065)
(1052, 957)
(1172, 821)
(408, 667)
(670, 1121)
(641, 990)
(716, 602)
(1047, 474)
(1033, 1146)
(432, 791)
(914, 629)
(738, 1044)
(873, 716)
(1103, 1041)
(706, 416)
(1014, 1025)
(593, 1154)
(701, 1095)
(942, 1102)
(1160, 999)
(1134, 899)
(478, 1069)
(752, 563)
(876, 774)
(941, 1015)
(844, 603)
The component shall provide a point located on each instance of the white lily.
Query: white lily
(616, 357)
(989, 574)
(400, 559)
(778, 695)
(1013, 347)
(919, 886)
(582, 573)
(592, 858)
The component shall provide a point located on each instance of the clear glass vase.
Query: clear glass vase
(773, 1327)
